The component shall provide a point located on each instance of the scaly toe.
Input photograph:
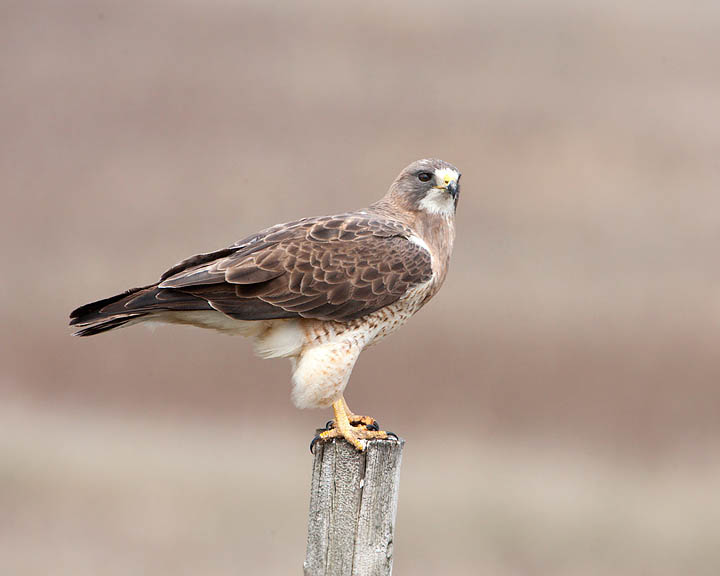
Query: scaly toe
(367, 421)
(328, 434)
(355, 436)
(357, 421)
(352, 435)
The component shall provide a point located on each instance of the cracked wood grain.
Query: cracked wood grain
(353, 504)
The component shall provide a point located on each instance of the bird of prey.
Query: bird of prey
(317, 290)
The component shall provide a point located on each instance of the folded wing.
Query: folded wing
(332, 268)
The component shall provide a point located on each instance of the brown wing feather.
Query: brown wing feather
(332, 268)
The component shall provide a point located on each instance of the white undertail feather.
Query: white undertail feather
(280, 338)
(206, 319)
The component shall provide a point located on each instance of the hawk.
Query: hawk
(317, 290)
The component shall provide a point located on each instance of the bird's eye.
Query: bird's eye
(424, 176)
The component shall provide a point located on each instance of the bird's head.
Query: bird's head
(428, 185)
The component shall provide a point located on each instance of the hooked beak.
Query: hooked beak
(449, 180)
(450, 184)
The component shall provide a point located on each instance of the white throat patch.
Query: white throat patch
(438, 201)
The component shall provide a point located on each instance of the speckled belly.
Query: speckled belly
(370, 329)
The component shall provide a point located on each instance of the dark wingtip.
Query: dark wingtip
(106, 326)
(92, 312)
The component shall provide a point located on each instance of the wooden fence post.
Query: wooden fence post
(353, 503)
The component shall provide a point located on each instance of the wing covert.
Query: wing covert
(332, 268)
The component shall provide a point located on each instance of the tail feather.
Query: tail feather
(97, 311)
(118, 310)
(104, 326)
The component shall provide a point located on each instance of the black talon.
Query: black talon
(329, 424)
(313, 442)
(374, 426)
(392, 434)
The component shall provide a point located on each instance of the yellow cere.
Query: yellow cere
(446, 175)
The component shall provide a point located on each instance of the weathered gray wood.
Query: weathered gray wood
(353, 503)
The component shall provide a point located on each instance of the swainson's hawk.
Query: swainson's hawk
(317, 291)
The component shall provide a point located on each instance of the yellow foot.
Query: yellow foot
(367, 421)
(356, 436)
(357, 420)
(353, 428)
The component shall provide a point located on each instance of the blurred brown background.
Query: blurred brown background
(559, 397)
